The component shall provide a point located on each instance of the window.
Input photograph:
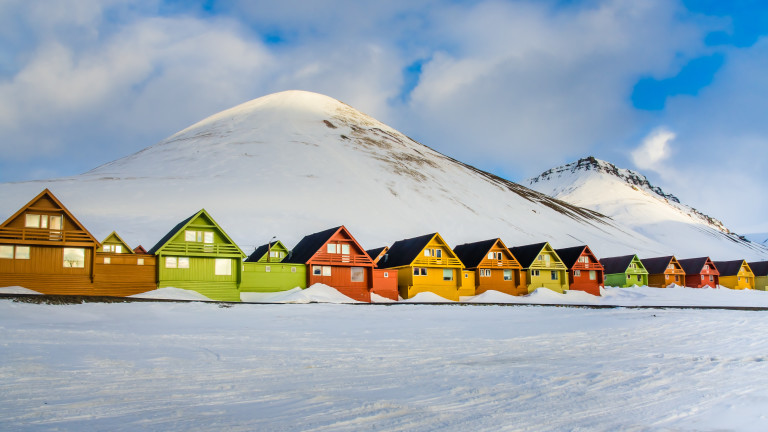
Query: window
(22, 252)
(107, 260)
(447, 274)
(671, 267)
(629, 276)
(419, 271)
(492, 255)
(592, 275)
(171, 262)
(275, 254)
(190, 236)
(267, 269)
(706, 266)
(223, 267)
(495, 255)
(535, 273)
(666, 276)
(633, 266)
(507, 275)
(317, 270)
(576, 273)
(677, 278)
(356, 274)
(331, 248)
(140, 261)
(113, 248)
(32, 221)
(466, 275)
(207, 237)
(183, 262)
(293, 269)
(584, 259)
(55, 222)
(74, 257)
(118, 249)
(386, 274)
(326, 270)
(485, 273)
(427, 252)
(553, 275)
(639, 278)
(6, 252)
(438, 253)
(540, 257)
(198, 236)
(702, 277)
(711, 278)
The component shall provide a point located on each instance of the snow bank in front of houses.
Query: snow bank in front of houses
(18, 290)
(427, 297)
(172, 294)
(317, 293)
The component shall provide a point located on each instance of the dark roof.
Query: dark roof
(527, 254)
(618, 264)
(729, 268)
(373, 253)
(656, 265)
(693, 266)
(759, 268)
(166, 238)
(403, 252)
(472, 254)
(257, 253)
(570, 255)
(309, 245)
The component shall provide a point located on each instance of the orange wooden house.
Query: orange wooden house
(334, 258)
(494, 265)
(120, 271)
(664, 271)
(43, 247)
(700, 272)
(585, 273)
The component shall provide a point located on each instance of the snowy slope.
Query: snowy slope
(628, 198)
(293, 163)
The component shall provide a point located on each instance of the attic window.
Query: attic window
(584, 259)
(198, 236)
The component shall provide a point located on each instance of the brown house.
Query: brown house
(43, 247)
(120, 271)
(700, 272)
(585, 273)
(664, 271)
(334, 258)
(494, 265)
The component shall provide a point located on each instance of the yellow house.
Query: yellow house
(543, 267)
(428, 264)
(735, 274)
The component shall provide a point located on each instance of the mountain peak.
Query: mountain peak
(591, 163)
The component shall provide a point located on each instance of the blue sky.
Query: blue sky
(674, 89)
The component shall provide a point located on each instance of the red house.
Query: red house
(585, 273)
(334, 258)
(700, 272)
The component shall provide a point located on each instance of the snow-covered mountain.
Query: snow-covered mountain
(631, 200)
(293, 163)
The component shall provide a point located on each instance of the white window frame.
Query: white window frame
(267, 269)
(32, 220)
(107, 260)
(356, 274)
(183, 262)
(293, 269)
(446, 276)
(592, 275)
(222, 267)
(171, 262)
(345, 248)
(554, 275)
(7, 252)
(535, 273)
(22, 253)
(317, 270)
(577, 273)
(438, 253)
(507, 274)
(326, 270)
(70, 263)
(140, 261)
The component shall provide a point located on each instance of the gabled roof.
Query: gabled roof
(404, 252)
(472, 254)
(115, 238)
(618, 264)
(47, 193)
(374, 253)
(183, 224)
(730, 268)
(527, 254)
(570, 256)
(262, 250)
(140, 250)
(657, 265)
(759, 268)
(693, 266)
(311, 244)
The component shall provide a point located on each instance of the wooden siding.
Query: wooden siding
(516, 286)
(341, 265)
(200, 277)
(385, 283)
(45, 272)
(590, 274)
(548, 264)
(123, 275)
(626, 280)
(341, 279)
(761, 283)
(280, 277)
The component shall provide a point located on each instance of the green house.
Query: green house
(115, 244)
(264, 271)
(624, 271)
(198, 255)
(543, 267)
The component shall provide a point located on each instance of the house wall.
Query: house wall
(410, 285)
(663, 280)
(622, 281)
(743, 281)
(385, 283)
(200, 277)
(123, 276)
(544, 280)
(761, 283)
(496, 282)
(44, 272)
(583, 282)
(280, 277)
(341, 279)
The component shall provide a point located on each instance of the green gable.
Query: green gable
(115, 244)
(270, 252)
(198, 235)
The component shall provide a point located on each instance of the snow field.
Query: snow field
(201, 366)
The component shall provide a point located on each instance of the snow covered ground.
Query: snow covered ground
(205, 366)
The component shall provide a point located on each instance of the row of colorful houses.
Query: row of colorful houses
(45, 248)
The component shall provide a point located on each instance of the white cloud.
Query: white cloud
(654, 151)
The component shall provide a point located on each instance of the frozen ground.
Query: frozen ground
(317, 367)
